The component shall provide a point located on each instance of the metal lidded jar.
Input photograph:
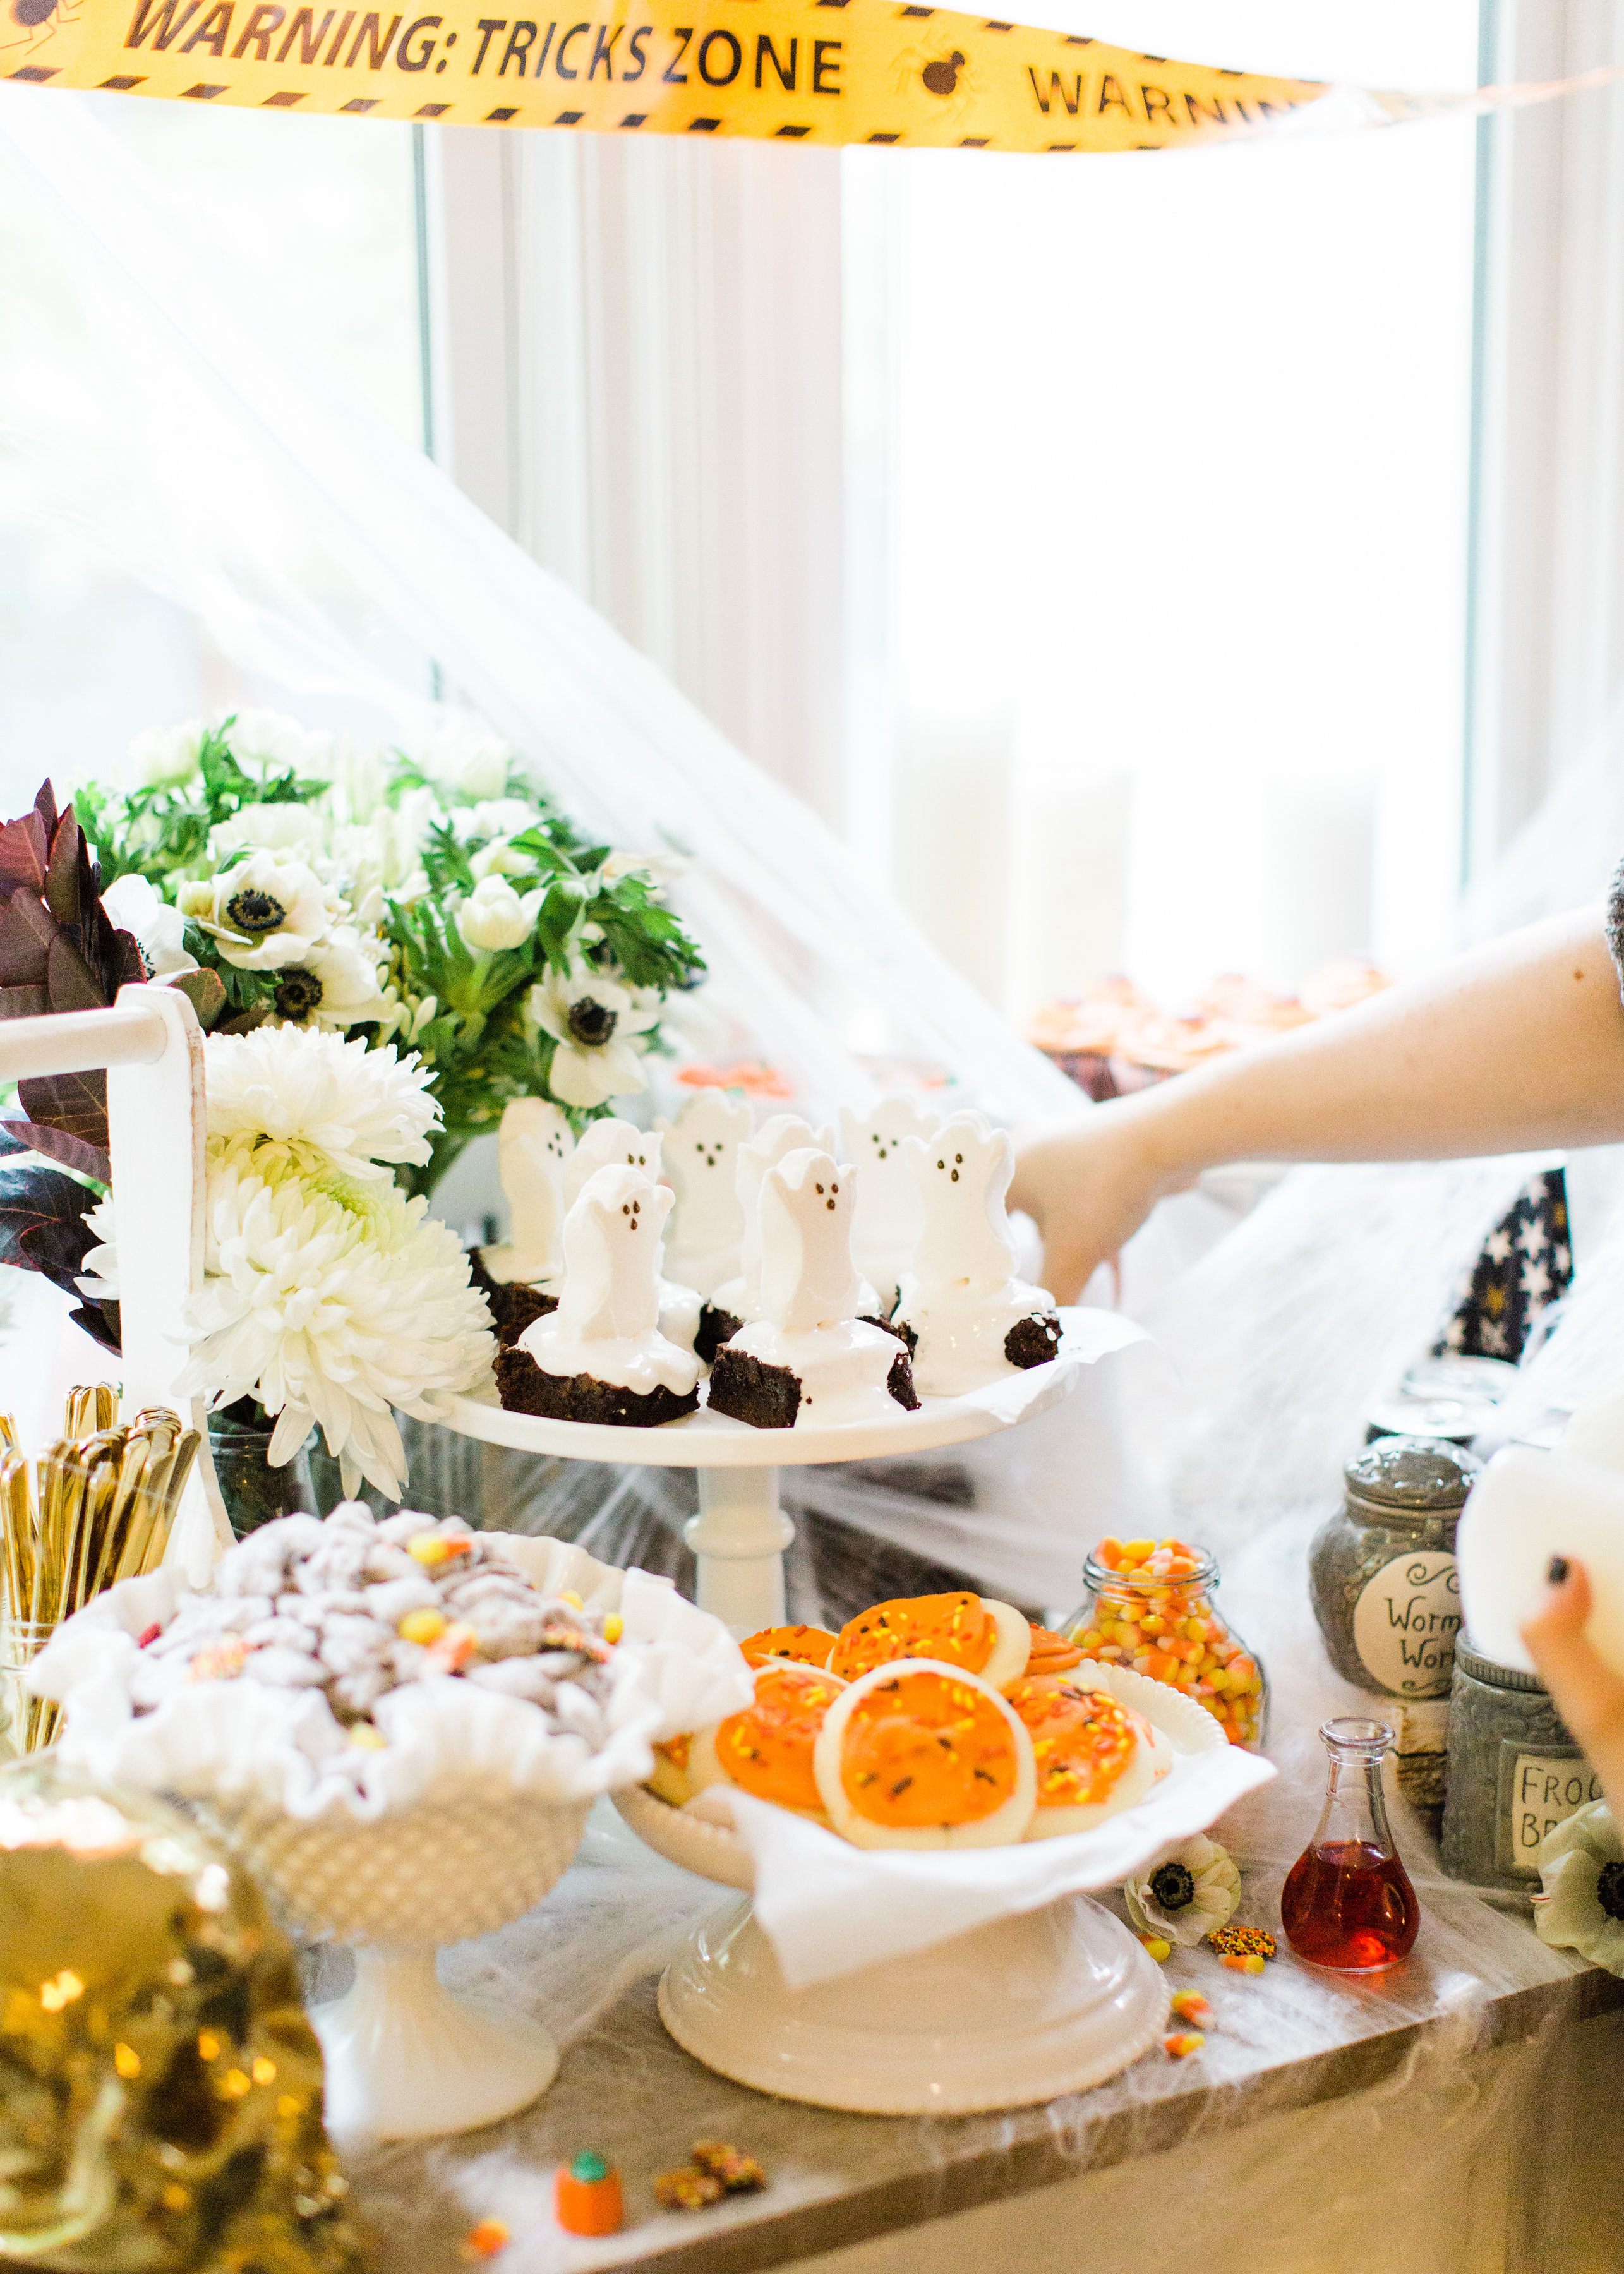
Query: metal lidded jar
(1382, 1573)
(1514, 1774)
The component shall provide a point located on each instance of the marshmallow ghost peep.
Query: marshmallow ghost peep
(889, 1214)
(532, 1147)
(701, 1156)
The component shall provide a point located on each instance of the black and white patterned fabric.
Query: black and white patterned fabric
(1526, 1264)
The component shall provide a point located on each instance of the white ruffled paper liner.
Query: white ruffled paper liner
(676, 1668)
(828, 1909)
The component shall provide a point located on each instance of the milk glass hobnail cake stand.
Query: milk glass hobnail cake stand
(1042, 2005)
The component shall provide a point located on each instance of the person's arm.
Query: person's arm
(1589, 1695)
(1518, 1044)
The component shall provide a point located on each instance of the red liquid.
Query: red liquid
(1348, 1905)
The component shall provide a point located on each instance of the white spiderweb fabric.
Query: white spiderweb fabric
(330, 560)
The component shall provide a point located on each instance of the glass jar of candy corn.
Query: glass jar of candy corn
(1151, 1605)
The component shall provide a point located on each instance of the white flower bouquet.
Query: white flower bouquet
(436, 899)
(330, 1296)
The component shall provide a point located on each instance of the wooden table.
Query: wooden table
(1293, 2040)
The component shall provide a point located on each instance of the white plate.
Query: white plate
(712, 1852)
(706, 1439)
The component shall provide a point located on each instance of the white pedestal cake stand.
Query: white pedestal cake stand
(740, 1533)
(1017, 2011)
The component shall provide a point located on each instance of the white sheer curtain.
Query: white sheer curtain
(324, 554)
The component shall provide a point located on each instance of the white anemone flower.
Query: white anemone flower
(1581, 1873)
(330, 1303)
(164, 757)
(336, 984)
(266, 913)
(598, 1029)
(317, 1101)
(494, 916)
(100, 1282)
(1190, 1888)
(134, 906)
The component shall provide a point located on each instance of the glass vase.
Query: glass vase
(254, 1492)
(26, 1722)
(1348, 1903)
(1169, 1627)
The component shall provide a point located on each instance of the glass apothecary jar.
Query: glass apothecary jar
(1382, 1573)
(1151, 1605)
(1515, 1774)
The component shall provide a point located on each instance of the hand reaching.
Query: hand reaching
(1589, 1695)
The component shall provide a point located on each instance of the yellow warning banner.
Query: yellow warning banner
(792, 71)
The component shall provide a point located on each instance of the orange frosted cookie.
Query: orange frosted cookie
(919, 1754)
(1051, 1654)
(805, 1645)
(767, 1749)
(1094, 1755)
(973, 1632)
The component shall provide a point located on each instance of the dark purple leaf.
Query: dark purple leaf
(204, 990)
(100, 1322)
(19, 1136)
(25, 854)
(42, 1226)
(25, 934)
(24, 1002)
(73, 985)
(76, 1103)
(45, 806)
(115, 954)
(67, 877)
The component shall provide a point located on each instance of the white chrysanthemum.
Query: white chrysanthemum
(321, 1102)
(330, 1303)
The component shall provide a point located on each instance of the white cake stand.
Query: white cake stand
(1019, 2010)
(740, 1533)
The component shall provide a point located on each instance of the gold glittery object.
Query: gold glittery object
(159, 2086)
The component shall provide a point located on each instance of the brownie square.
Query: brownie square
(525, 1389)
(766, 1396)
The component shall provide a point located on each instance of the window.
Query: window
(320, 216)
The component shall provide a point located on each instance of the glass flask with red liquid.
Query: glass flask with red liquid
(1348, 1903)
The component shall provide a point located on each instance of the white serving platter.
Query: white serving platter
(714, 1441)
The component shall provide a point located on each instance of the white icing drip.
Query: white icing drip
(679, 1313)
(961, 1334)
(634, 1362)
(842, 1370)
